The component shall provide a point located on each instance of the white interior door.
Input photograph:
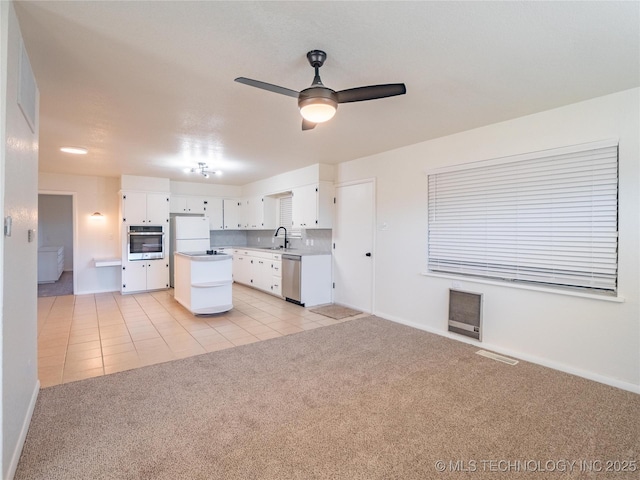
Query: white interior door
(353, 237)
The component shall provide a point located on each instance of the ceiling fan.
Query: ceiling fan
(318, 103)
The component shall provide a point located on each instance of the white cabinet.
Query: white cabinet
(276, 275)
(258, 269)
(203, 283)
(261, 275)
(242, 267)
(231, 208)
(214, 210)
(312, 206)
(187, 204)
(258, 213)
(50, 264)
(140, 208)
(145, 275)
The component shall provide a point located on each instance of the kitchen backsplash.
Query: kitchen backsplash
(228, 238)
(321, 239)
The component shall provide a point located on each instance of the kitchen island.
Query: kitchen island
(203, 282)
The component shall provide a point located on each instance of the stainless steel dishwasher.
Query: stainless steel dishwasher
(291, 284)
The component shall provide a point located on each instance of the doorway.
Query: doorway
(353, 238)
(55, 244)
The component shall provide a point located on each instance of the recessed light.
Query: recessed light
(75, 150)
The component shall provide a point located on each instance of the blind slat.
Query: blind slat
(549, 220)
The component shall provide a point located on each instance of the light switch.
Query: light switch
(7, 226)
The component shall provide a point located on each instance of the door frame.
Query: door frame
(374, 213)
(74, 226)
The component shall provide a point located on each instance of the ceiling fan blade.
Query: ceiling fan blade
(307, 125)
(267, 86)
(371, 92)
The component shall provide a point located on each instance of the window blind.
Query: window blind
(286, 216)
(549, 218)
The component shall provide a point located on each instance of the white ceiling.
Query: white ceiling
(148, 87)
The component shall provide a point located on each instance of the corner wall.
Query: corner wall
(592, 338)
(19, 187)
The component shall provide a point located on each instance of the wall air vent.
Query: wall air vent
(465, 313)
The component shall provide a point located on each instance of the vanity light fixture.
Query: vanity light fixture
(97, 215)
(75, 150)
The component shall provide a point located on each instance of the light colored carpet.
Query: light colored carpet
(364, 399)
(64, 286)
(337, 312)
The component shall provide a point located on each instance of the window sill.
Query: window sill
(557, 291)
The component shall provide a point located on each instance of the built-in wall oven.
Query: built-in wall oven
(145, 242)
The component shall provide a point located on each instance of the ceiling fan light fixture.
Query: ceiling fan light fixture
(318, 110)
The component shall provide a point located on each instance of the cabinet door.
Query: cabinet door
(195, 205)
(134, 276)
(158, 208)
(262, 274)
(276, 286)
(187, 204)
(178, 204)
(249, 213)
(304, 206)
(231, 209)
(134, 208)
(268, 212)
(157, 274)
(213, 209)
(242, 269)
(276, 277)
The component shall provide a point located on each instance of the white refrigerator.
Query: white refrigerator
(188, 234)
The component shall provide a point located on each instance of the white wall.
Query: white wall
(205, 189)
(286, 181)
(19, 185)
(592, 338)
(95, 237)
(55, 225)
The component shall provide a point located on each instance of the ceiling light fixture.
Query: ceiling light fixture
(202, 170)
(317, 110)
(75, 150)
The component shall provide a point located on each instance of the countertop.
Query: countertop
(285, 251)
(204, 256)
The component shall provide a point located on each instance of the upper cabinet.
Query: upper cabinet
(187, 204)
(258, 213)
(231, 209)
(213, 208)
(312, 206)
(140, 208)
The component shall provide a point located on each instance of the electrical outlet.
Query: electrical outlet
(312, 242)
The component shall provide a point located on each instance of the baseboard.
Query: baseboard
(612, 382)
(15, 458)
(93, 292)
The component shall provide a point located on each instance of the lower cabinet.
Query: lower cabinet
(260, 270)
(50, 264)
(143, 275)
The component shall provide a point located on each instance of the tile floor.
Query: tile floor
(84, 336)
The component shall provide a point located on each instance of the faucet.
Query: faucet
(285, 236)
